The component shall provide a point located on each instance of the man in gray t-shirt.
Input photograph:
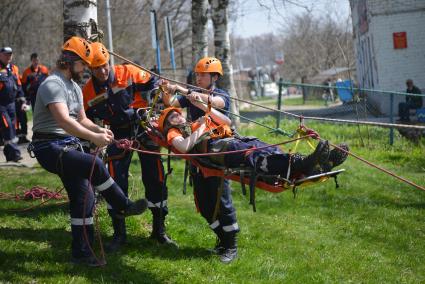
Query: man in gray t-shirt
(56, 89)
(59, 118)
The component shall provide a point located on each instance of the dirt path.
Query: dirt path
(27, 161)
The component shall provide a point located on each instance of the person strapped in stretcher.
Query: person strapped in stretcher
(212, 133)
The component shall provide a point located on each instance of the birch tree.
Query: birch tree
(220, 16)
(199, 29)
(199, 33)
(80, 19)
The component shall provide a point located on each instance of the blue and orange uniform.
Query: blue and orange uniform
(31, 80)
(115, 101)
(10, 90)
(206, 189)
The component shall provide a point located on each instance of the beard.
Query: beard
(76, 76)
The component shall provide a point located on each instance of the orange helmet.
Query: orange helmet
(164, 115)
(209, 65)
(100, 55)
(79, 46)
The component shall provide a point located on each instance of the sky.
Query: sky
(254, 19)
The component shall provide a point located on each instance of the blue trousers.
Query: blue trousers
(8, 132)
(270, 160)
(63, 158)
(404, 109)
(206, 192)
(152, 171)
(22, 120)
(152, 175)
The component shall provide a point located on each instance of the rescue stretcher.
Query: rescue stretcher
(246, 175)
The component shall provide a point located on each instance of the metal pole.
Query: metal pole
(108, 20)
(158, 53)
(257, 74)
(392, 119)
(170, 44)
(279, 103)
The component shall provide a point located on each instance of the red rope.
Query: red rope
(36, 192)
(102, 260)
(379, 168)
(127, 145)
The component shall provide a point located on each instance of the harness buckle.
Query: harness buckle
(30, 150)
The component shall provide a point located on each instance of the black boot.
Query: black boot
(23, 140)
(120, 236)
(230, 248)
(336, 157)
(307, 164)
(219, 246)
(158, 230)
(133, 208)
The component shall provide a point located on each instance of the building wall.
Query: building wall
(379, 65)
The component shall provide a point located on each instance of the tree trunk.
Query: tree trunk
(219, 15)
(199, 31)
(80, 19)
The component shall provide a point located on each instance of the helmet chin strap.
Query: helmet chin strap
(212, 84)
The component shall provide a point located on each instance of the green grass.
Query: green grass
(287, 101)
(370, 230)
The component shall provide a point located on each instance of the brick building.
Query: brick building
(389, 41)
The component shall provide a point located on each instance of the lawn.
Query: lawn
(370, 230)
(286, 101)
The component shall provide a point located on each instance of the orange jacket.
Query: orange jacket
(123, 77)
(32, 78)
(29, 72)
(125, 89)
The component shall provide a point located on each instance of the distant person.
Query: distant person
(261, 83)
(31, 80)
(412, 102)
(252, 84)
(328, 94)
(10, 91)
(32, 77)
(304, 88)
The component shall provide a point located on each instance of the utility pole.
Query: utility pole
(155, 40)
(108, 20)
(170, 44)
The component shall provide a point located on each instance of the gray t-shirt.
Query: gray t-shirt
(56, 89)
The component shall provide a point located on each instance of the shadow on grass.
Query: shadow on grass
(28, 256)
(52, 261)
(153, 248)
(45, 209)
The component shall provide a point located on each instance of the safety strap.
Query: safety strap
(217, 203)
(65, 149)
(155, 100)
(294, 191)
(252, 183)
(186, 173)
(164, 184)
(207, 113)
(336, 181)
(242, 178)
